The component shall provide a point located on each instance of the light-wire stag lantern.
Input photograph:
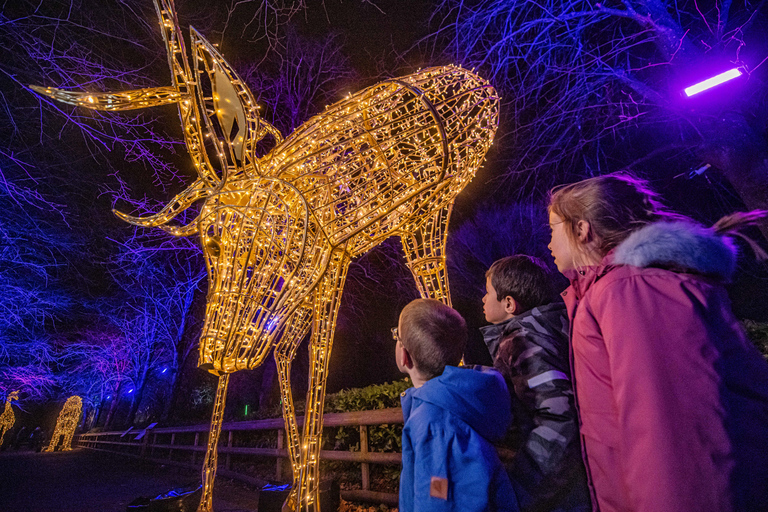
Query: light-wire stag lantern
(279, 231)
(66, 424)
(7, 418)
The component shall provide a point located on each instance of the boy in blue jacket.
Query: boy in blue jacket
(452, 415)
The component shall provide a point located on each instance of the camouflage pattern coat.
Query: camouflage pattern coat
(531, 352)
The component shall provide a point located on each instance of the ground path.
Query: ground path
(87, 481)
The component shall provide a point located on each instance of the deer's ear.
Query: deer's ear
(234, 107)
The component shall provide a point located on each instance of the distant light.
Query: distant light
(246, 409)
(109, 396)
(130, 391)
(712, 82)
(164, 370)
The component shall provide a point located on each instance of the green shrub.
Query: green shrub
(377, 396)
(381, 438)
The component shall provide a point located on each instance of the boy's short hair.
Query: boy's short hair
(434, 334)
(524, 278)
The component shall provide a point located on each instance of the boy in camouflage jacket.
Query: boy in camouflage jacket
(528, 340)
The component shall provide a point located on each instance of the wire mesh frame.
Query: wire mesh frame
(66, 424)
(8, 418)
(278, 232)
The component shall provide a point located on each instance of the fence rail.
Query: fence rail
(144, 444)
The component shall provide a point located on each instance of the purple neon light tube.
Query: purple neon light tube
(711, 82)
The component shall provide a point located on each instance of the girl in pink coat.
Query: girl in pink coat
(672, 397)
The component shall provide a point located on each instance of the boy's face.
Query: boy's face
(496, 311)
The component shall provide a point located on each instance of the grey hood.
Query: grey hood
(680, 245)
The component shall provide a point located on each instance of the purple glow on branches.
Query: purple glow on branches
(712, 82)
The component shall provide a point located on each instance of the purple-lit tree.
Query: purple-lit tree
(591, 87)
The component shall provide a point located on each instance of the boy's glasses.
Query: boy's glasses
(395, 334)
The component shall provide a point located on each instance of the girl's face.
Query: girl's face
(560, 246)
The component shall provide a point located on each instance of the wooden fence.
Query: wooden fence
(160, 445)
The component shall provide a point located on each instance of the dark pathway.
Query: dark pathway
(87, 481)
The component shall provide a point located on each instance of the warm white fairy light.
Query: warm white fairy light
(8, 418)
(66, 424)
(279, 231)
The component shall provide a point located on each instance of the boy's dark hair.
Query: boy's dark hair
(434, 334)
(524, 278)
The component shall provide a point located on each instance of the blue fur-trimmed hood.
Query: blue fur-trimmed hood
(681, 245)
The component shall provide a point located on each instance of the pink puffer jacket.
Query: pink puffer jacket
(672, 396)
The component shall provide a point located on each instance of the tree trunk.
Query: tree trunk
(111, 413)
(268, 392)
(137, 398)
(183, 350)
(171, 403)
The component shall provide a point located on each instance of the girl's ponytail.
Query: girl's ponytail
(731, 225)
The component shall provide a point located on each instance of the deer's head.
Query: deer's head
(247, 224)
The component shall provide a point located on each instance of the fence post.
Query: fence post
(280, 446)
(152, 449)
(170, 450)
(229, 445)
(194, 453)
(365, 467)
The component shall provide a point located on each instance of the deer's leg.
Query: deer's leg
(295, 330)
(327, 296)
(210, 464)
(68, 439)
(424, 247)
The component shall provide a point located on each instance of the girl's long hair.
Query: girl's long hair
(615, 205)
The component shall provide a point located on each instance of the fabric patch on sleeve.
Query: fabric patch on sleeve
(549, 434)
(438, 488)
(528, 353)
(546, 377)
(556, 405)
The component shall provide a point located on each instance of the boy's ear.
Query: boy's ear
(405, 359)
(510, 305)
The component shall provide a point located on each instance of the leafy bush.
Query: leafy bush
(378, 396)
(381, 438)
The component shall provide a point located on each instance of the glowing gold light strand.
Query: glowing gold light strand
(278, 232)
(66, 424)
(114, 101)
(7, 418)
(210, 463)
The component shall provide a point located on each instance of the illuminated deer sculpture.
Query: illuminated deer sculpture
(7, 418)
(279, 231)
(66, 424)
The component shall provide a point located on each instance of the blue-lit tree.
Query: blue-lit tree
(159, 281)
(591, 87)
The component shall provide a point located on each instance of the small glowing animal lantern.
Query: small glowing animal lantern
(8, 418)
(66, 424)
(279, 230)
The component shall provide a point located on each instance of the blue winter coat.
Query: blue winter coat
(450, 423)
